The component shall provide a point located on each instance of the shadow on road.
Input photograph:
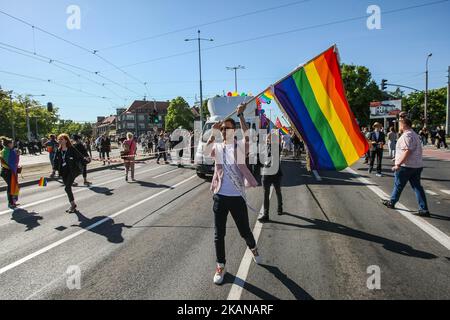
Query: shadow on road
(29, 219)
(151, 184)
(109, 229)
(388, 244)
(260, 293)
(102, 190)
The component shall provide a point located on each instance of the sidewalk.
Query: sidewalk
(430, 151)
(34, 170)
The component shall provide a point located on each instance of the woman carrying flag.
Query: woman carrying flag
(9, 158)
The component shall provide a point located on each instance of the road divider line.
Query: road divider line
(92, 226)
(424, 225)
(74, 192)
(431, 193)
(244, 267)
(445, 191)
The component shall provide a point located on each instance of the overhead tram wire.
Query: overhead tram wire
(204, 24)
(94, 52)
(53, 82)
(287, 32)
(52, 61)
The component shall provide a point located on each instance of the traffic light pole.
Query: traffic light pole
(447, 124)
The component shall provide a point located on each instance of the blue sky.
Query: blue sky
(397, 52)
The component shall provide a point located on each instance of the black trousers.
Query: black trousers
(238, 209)
(68, 180)
(378, 153)
(84, 172)
(162, 153)
(6, 175)
(267, 182)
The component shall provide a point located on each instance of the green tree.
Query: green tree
(437, 99)
(179, 115)
(361, 89)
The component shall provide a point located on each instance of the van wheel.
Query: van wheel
(201, 175)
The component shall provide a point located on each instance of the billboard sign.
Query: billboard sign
(385, 109)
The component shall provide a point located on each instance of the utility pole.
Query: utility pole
(28, 121)
(447, 120)
(235, 75)
(12, 118)
(200, 69)
(426, 93)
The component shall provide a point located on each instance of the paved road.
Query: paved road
(158, 241)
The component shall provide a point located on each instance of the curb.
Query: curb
(101, 168)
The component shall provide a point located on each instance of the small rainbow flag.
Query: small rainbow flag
(313, 97)
(266, 98)
(42, 182)
(282, 128)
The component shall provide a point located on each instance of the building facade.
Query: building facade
(106, 125)
(141, 117)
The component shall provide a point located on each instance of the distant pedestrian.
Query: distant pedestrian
(424, 135)
(88, 145)
(231, 176)
(161, 149)
(52, 146)
(392, 141)
(83, 153)
(366, 133)
(441, 136)
(9, 158)
(128, 155)
(377, 141)
(105, 149)
(68, 162)
(271, 174)
(408, 168)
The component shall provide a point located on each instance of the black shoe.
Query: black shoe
(370, 170)
(264, 217)
(388, 204)
(422, 213)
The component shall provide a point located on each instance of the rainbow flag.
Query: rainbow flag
(283, 129)
(266, 98)
(10, 160)
(313, 97)
(42, 182)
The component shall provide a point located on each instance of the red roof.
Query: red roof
(142, 106)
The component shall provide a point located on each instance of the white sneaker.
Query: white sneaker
(256, 257)
(220, 273)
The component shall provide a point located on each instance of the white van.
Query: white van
(220, 108)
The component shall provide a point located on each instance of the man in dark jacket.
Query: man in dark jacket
(105, 148)
(377, 140)
(271, 175)
(79, 146)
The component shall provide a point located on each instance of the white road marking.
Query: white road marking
(316, 175)
(445, 191)
(241, 276)
(92, 226)
(427, 227)
(74, 192)
(431, 193)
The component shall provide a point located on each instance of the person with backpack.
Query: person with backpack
(83, 152)
(69, 164)
(128, 155)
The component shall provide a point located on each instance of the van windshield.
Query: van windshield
(207, 131)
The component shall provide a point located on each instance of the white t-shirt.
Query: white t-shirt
(227, 188)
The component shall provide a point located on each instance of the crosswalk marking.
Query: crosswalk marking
(432, 193)
(446, 191)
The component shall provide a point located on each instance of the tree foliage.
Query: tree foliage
(179, 115)
(361, 89)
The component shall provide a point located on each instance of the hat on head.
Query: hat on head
(376, 125)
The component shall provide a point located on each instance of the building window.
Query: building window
(130, 117)
(130, 125)
(141, 125)
(141, 117)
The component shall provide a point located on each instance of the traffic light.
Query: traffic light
(50, 107)
(383, 84)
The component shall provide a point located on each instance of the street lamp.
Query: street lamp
(426, 92)
(235, 75)
(200, 69)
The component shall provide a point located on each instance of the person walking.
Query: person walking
(231, 176)
(128, 155)
(424, 136)
(105, 149)
(68, 162)
(88, 144)
(377, 141)
(52, 146)
(10, 169)
(440, 136)
(392, 138)
(161, 148)
(83, 153)
(271, 174)
(408, 168)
